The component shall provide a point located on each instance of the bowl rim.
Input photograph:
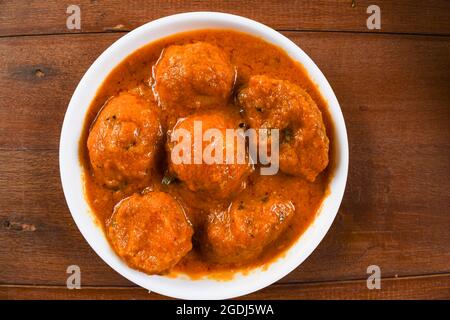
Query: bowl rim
(71, 171)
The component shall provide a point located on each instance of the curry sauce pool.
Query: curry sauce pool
(248, 56)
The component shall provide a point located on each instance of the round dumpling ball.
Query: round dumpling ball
(150, 232)
(272, 103)
(250, 224)
(124, 142)
(215, 177)
(193, 76)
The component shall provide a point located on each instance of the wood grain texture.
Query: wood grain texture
(422, 287)
(394, 94)
(38, 17)
(405, 76)
(392, 85)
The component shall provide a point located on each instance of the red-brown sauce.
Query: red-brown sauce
(250, 56)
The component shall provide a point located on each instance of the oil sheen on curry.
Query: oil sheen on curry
(204, 219)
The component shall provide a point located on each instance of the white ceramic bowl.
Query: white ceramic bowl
(71, 171)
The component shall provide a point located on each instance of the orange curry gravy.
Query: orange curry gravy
(251, 56)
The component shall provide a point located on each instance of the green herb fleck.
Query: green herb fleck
(168, 179)
(287, 134)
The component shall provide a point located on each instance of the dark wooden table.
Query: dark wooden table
(393, 85)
